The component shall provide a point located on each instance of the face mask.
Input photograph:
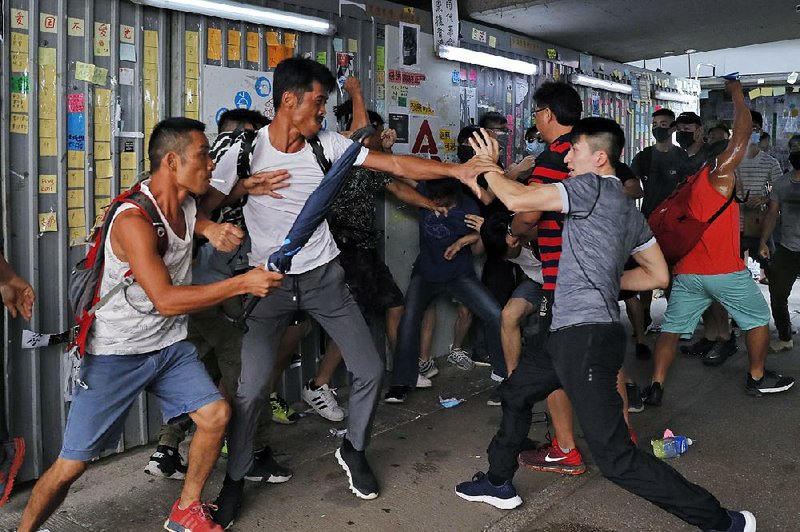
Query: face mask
(534, 148)
(684, 138)
(755, 137)
(465, 153)
(661, 133)
(794, 159)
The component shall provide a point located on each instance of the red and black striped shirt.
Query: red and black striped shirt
(551, 168)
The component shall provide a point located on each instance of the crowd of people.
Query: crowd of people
(564, 238)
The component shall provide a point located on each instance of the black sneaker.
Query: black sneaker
(481, 360)
(229, 502)
(362, 482)
(742, 521)
(396, 394)
(643, 352)
(266, 469)
(495, 398)
(701, 347)
(771, 382)
(635, 403)
(653, 394)
(721, 352)
(166, 462)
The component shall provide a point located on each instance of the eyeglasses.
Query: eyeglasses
(539, 110)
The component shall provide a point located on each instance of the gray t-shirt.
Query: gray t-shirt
(602, 228)
(786, 192)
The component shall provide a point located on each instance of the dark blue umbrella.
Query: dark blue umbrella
(313, 213)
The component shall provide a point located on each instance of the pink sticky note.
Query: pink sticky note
(76, 102)
(463, 74)
(473, 75)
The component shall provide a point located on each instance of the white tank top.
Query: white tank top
(531, 266)
(129, 324)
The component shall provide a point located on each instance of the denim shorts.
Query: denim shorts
(530, 291)
(96, 418)
(692, 294)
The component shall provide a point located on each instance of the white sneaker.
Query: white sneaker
(460, 358)
(323, 401)
(423, 382)
(779, 346)
(427, 368)
(496, 378)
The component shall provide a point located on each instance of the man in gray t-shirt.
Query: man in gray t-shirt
(587, 343)
(783, 215)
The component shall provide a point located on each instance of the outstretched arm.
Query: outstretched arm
(421, 169)
(723, 178)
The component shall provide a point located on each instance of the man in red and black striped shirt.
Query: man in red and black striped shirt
(558, 109)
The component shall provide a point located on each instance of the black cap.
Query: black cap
(688, 117)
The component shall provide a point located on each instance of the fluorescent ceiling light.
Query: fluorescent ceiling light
(597, 83)
(689, 51)
(236, 11)
(463, 55)
(675, 97)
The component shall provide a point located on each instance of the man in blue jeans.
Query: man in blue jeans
(602, 228)
(444, 265)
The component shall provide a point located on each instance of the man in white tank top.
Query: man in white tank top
(137, 343)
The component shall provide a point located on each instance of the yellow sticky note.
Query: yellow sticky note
(47, 183)
(103, 169)
(192, 96)
(192, 71)
(352, 46)
(192, 55)
(127, 160)
(48, 147)
(252, 39)
(150, 73)
(102, 187)
(272, 37)
(47, 56)
(192, 39)
(76, 159)
(19, 123)
(214, 51)
(47, 127)
(127, 178)
(102, 150)
(151, 56)
(84, 71)
(100, 76)
(47, 106)
(290, 39)
(195, 115)
(48, 222)
(253, 54)
(102, 132)
(19, 42)
(77, 236)
(100, 205)
(102, 97)
(76, 218)
(19, 102)
(151, 39)
(74, 198)
(76, 178)
(753, 94)
(234, 45)
(766, 91)
(19, 62)
(275, 54)
(102, 115)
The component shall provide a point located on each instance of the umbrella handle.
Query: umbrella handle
(241, 321)
(363, 133)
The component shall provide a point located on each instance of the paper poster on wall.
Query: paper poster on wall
(399, 122)
(409, 44)
(344, 67)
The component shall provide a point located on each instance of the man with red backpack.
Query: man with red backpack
(712, 269)
(137, 341)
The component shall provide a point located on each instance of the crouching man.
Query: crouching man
(137, 340)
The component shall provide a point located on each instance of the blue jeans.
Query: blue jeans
(468, 290)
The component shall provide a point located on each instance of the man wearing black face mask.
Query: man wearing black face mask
(660, 168)
(689, 136)
(784, 199)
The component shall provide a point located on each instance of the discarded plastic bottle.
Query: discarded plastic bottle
(670, 447)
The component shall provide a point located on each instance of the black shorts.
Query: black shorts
(369, 280)
(625, 295)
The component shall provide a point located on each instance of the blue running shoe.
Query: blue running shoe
(742, 521)
(479, 489)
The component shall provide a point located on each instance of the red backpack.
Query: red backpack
(83, 291)
(675, 228)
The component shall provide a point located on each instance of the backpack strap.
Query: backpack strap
(148, 208)
(647, 160)
(319, 154)
(721, 209)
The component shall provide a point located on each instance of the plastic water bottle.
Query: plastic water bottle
(670, 447)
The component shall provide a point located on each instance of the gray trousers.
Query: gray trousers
(323, 293)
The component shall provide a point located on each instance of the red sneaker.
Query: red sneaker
(13, 455)
(552, 460)
(195, 518)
